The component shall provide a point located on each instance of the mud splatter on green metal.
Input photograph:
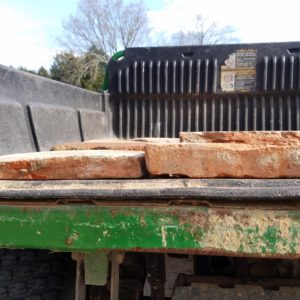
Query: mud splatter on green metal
(232, 231)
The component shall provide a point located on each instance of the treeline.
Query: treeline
(85, 71)
(100, 28)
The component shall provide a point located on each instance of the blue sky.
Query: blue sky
(28, 27)
(51, 12)
(48, 13)
(42, 8)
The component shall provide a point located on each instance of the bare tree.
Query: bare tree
(86, 70)
(205, 33)
(106, 25)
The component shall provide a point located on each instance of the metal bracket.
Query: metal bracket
(80, 289)
(96, 268)
(116, 259)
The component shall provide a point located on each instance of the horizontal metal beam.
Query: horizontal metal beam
(233, 189)
(184, 229)
(187, 280)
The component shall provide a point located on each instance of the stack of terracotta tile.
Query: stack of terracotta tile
(86, 160)
(228, 154)
(194, 155)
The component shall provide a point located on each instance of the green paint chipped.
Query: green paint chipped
(270, 237)
(241, 248)
(294, 238)
(90, 228)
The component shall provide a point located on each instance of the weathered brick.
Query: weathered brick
(157, 140)
(85, 164)
(101, 145)
(213, 160)
(243, 137)
(113, 144)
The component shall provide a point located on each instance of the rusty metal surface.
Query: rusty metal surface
(254, 232)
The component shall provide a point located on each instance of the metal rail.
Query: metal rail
(202, 189)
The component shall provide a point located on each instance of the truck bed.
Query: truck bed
(156, 92)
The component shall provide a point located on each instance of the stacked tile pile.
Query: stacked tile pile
(194, 154)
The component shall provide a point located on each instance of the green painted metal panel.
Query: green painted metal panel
(88, 228)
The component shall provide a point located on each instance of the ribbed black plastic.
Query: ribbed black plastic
(196, 69)
(166, 116)
(158, 92)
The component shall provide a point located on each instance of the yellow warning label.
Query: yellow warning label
(239, 71)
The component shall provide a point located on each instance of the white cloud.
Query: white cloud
(23, 41)
(256, 20)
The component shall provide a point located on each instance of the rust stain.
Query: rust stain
(70, 239)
